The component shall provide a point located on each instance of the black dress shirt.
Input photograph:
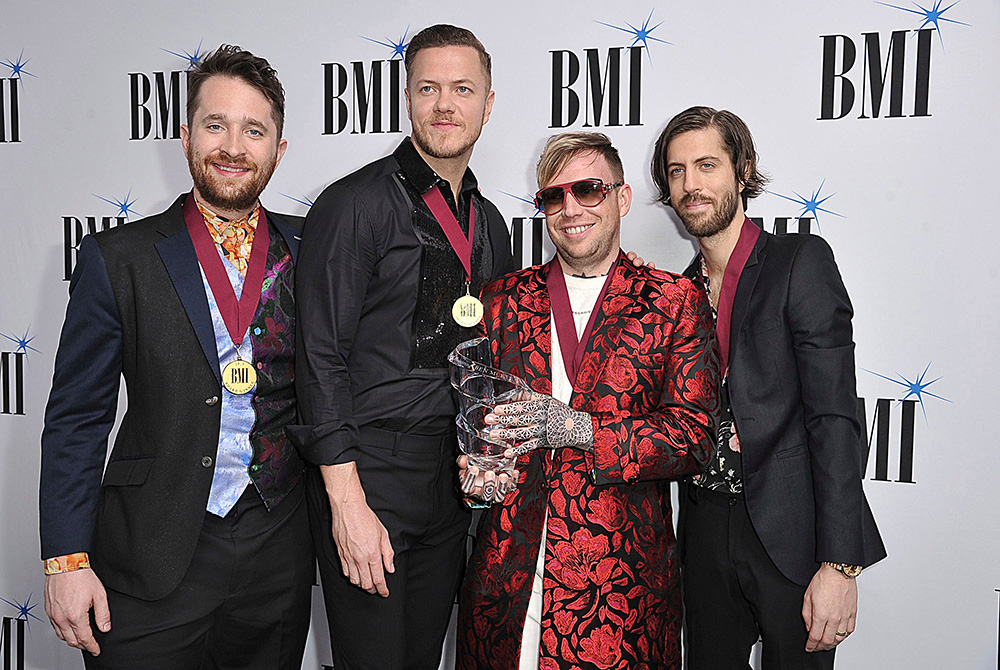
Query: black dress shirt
(375, 285)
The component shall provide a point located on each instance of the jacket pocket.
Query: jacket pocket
(127, 471)
(791, 452)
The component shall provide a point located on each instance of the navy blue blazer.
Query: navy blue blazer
(138, 311)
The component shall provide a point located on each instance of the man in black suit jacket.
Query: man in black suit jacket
(197, 539)
(776, 530)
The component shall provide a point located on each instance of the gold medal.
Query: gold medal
(467, 311)
(239, 377)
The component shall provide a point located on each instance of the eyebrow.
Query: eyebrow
(697, 160)
(464, 81)
(249, 120)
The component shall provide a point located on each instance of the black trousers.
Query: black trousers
(410, 483)
(243, 603)
(733, 593)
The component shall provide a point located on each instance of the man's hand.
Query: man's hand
(68, 599)
(362, 541)
(638, 261)
(485, 485)
(542, 422)
(829, 608)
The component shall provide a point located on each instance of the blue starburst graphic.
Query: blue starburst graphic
(642, 34)
(23, 342)
(193, 59)
(304, 201)
(530, 200)
(934, 15)
(915, 388)
(124, 206)
(16, 67)
(398, 47)
(812, 203)
(24, 610)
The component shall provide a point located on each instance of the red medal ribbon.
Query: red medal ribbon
(461, 244)
(572, 349)
(730, 280)
(236, 315)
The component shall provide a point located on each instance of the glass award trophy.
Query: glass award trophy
(481, 387)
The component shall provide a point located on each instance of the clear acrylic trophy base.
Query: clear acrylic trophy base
(481, 387)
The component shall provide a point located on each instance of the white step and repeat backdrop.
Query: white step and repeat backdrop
(876, 122)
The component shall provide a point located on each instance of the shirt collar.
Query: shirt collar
(422, 175)
(219, 225)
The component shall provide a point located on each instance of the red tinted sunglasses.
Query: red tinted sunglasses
(587, 192)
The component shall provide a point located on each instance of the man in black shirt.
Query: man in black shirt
(392, 257)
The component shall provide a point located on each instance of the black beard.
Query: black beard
(698, 226)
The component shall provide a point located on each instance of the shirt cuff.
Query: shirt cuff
(324, 444)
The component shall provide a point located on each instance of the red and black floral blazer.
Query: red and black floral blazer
(649, 379)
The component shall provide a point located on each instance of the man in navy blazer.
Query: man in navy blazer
(776, 530)
(193, 550)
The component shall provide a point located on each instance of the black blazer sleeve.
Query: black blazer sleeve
(819, 316)
(81, 408)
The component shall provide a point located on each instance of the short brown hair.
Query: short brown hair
(444, 35)
(560, 149)
(736, 139)
(231, 61)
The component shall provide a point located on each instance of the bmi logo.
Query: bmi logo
(157, 99)
(12, 633)
(894, 76)
(75, 228)
(881, 426)
(366, 96)
(610, 89)
(811, 206)
(12, 363)
(526, 234)
(10, 109)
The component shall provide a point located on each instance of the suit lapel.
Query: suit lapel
(744, 290)
(179, 258)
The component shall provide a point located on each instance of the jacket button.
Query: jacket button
(206, 461)
(211, 401)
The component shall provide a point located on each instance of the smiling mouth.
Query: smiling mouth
(576, 230)
(231, 169)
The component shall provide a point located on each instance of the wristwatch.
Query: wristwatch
(845, 569)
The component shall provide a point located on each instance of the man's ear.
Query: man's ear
(624, 199)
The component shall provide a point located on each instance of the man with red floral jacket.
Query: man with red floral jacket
(574, 566)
